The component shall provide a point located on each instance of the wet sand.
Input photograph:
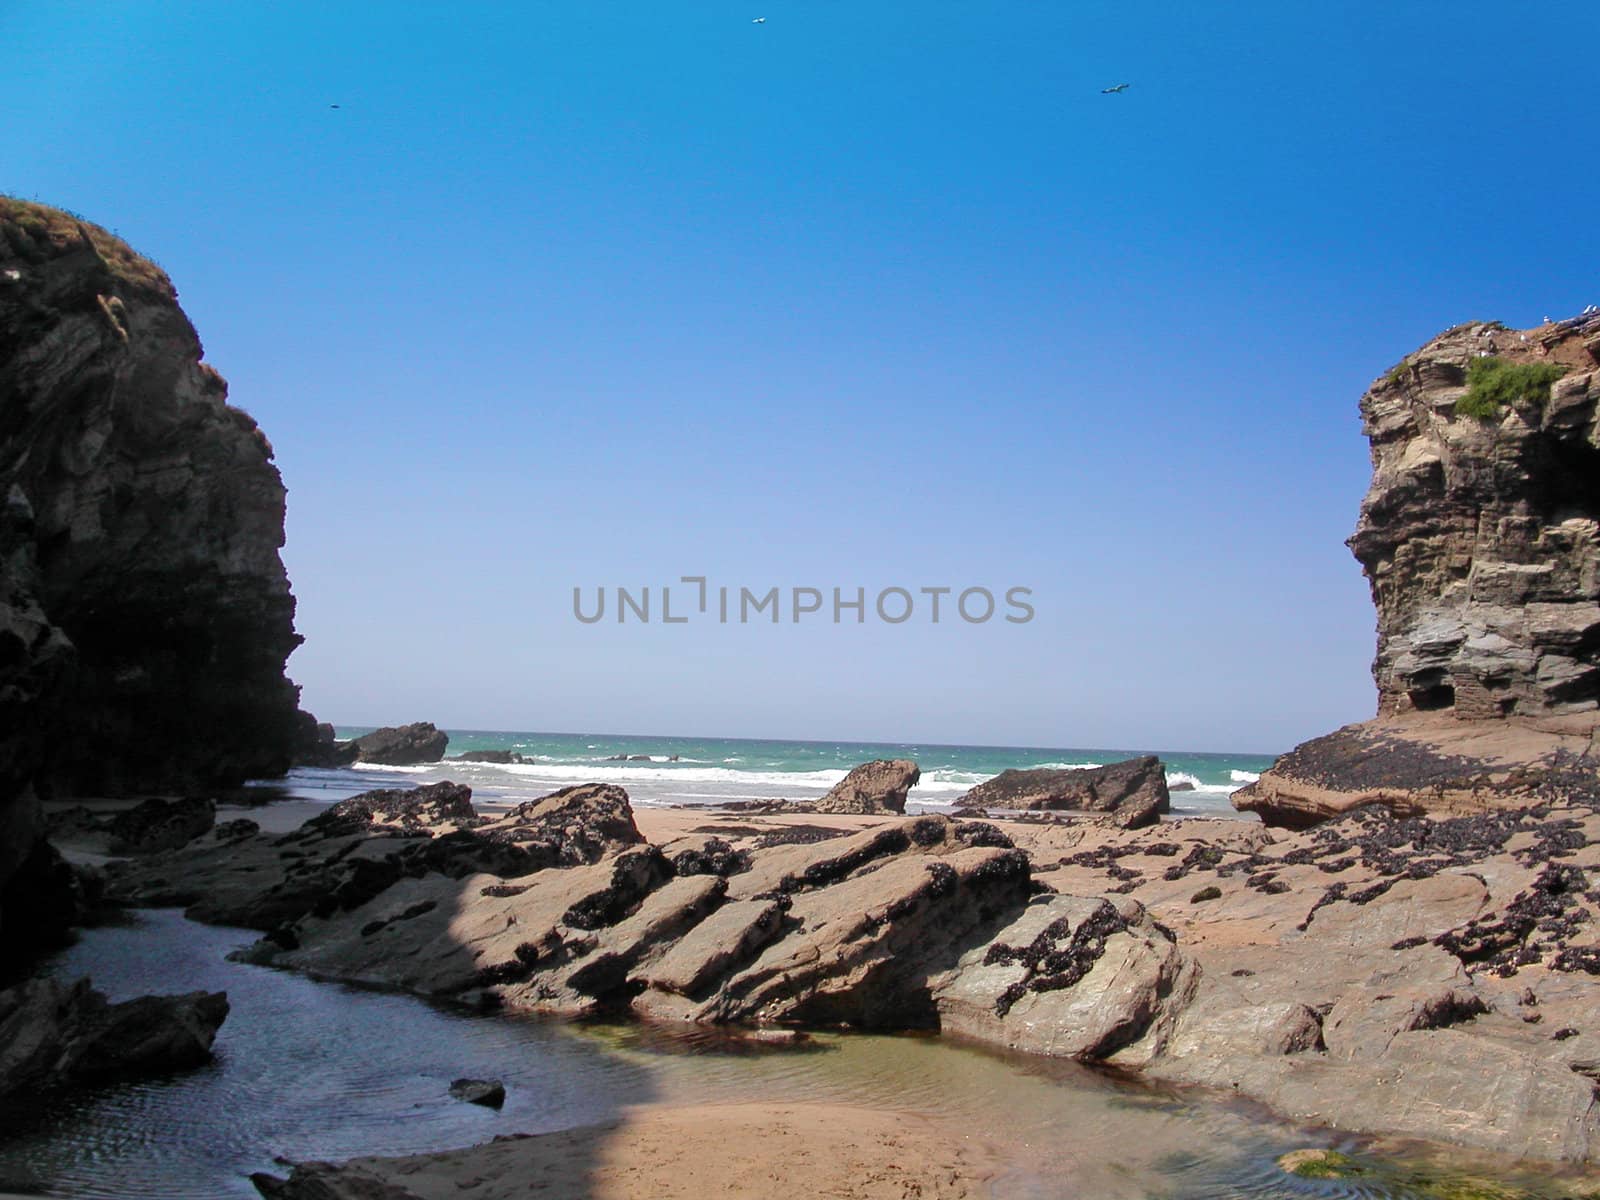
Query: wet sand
(700, 1152)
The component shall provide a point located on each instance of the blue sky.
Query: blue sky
(872, 294)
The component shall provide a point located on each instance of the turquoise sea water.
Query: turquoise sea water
(682, 770)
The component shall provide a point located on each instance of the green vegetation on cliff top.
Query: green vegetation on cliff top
(1493, 383)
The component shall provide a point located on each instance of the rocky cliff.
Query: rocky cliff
(145, 616)
(1480, 537)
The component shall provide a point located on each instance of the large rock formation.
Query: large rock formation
(1131, 793)
(878, 786)
(144, 613)
(402, 745)
(1480, 537)
(157, 516)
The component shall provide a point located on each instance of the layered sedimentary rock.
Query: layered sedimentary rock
(1480, 537)
(1131, 793)
(1372, 973)
(145, 616)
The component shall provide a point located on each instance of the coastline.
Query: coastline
(1309, 971)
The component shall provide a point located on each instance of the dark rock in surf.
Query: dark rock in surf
(502, 758)
(403, 745)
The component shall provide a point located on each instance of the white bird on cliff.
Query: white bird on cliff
(1112, 91)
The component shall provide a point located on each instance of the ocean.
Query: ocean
(712, 771)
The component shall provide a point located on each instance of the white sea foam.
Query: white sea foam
(1244, 776)
(624, 773)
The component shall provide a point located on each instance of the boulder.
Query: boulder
(399, 810)
(157, 824)
(403, 745)
(1070, 977)
(879, 786)
(52, 1033)
(1133, 793)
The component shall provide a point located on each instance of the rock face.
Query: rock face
(157, 517)
(144, 613)
(1133, 793)
(403, 745)
(51, 1033)
(1480, 537)
(873, 787)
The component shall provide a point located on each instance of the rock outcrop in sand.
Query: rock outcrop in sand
(879, 786)
(1480, 537)
(145, 616)
(1131, 793)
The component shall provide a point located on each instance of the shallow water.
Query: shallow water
(306, 1069)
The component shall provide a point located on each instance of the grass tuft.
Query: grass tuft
(1493, 383)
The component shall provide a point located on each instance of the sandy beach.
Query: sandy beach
(700, 1152)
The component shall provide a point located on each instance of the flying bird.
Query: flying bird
(1112, 91)
(759, 21)
(333, 106)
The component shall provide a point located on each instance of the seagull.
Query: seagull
(333, 106)
(759, 21)
(1112, 91)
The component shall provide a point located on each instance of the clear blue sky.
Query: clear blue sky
(871, 293)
